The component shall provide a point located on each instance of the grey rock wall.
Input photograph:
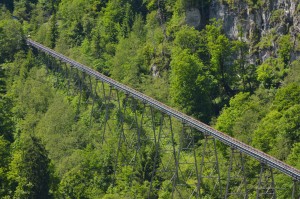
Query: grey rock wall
(251, 23)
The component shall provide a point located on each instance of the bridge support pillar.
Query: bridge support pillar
(236, 180)
(296, 189)
(187, 181)
(266, 185)
(209, 168)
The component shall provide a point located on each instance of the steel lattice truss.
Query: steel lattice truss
(182, 150)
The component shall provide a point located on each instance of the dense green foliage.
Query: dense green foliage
(48, 145)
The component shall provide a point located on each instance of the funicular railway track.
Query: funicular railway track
(224, 138)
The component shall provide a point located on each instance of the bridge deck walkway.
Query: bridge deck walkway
(232, 142)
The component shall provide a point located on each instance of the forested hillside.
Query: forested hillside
(233, 64)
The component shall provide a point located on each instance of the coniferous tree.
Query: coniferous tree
(4, 161)
(5, 122)
(30, 169)
(53, 31)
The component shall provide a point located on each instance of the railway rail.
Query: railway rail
(224, 138)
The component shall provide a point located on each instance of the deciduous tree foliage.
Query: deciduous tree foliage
(4, 165)
(6, 125)
(11, 39)
(30, 169)
(187, 79)
(220, 49)
(52, 147)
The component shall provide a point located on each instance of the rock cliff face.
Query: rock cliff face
(260, 24)
(255, 24)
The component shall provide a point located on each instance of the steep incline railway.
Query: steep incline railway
(234, 143)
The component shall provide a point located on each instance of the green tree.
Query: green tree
(287, 97)
(4, 166)
(227, 119)
(220, 48)
(53, 32)
(11, 39)
(127, 65)
(188, 81)
(244, 113)
(271, 72)
(267, 131)
(292, 74)
(57, 123)
(30, 169)
(91, 177)
(6, 124)
(279, 129)
(285, 48)
(294, 156)
(188, 38)
(23, 9)
(156, 52)
(246, 73)
(33, 97)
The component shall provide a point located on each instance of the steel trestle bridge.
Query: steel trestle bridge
(210, 134)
